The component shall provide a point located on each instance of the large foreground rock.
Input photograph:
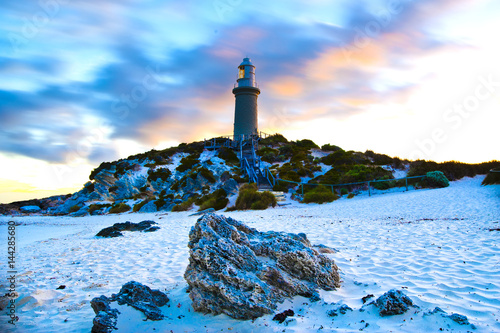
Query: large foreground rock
(244, 273)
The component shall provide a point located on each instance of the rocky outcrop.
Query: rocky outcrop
(142, 298)
(106, 318)
(30, 209)
(132, 293)
(116, 229)
(393, 302)
(244, 273)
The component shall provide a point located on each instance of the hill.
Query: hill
(191, 177)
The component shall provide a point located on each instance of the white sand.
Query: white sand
(435, 244)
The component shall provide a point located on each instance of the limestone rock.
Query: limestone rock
(142, 298)
(116, 229)
(244, 273)
(230, 186)
(106, 318)
(30, 209)
(393, 302)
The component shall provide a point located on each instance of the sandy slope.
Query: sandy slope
(435, 244)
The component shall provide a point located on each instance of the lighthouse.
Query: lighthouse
(245, 92)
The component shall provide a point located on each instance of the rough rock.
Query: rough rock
(281, 317)
(341, 310)
(142, 298)
(244, 273)
(230, 186)
(106, 318)
(116, 229)
(393, 302)
(30, 209)
(459, 319)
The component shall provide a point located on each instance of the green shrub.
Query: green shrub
(119, 208)
(102, 166)
(74, 208)
(207, 174)
(228, 155)
(329, 147)
(139, 205)
(306, 143)
(183, 206)
(188, 162)
(350, 196)
(249, 198)
(344, 191)
(435, 179)
(160, 173)
(320, 194)
(160, 203)
(216, 200)
(274, 139)
(94, 207)
(492, 177)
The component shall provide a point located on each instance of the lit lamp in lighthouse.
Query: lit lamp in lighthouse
(245, 92)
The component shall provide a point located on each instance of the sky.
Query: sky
(82, 82)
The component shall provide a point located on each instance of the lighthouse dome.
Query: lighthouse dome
(246, 62)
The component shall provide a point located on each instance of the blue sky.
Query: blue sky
(83, 82)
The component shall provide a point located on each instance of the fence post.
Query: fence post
(406, 181)
(369, 190)
(302, 186)
(332, 189)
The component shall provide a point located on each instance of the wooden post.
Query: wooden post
(369, 190)
(406, 181)
(332, 189)
(302, 186)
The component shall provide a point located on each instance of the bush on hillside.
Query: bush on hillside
(216, 200)
(228, 155)
(435, 179)
(74, 208)
(320, 194)
(160, 173)
(329, 147)
(273, 140)
(139, 205)
(249, 198)
(188, 162)
(119, 208)
(493, 177)
(95, 207)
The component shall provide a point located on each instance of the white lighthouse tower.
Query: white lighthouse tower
(246, 92)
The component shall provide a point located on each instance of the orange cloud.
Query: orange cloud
(286, 86)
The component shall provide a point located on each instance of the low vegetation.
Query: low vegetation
(249, 198)
(319, 194)
(493, 177)
(119, 208)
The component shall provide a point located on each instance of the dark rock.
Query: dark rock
(460, 319)
(244, 273)
(106, 318)
(367, 297)
(393, 302)
(230, 186)
(142, 298)
(109, 232)
(116, 229)
(62, 286)
(280, 317)
(340, 310)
